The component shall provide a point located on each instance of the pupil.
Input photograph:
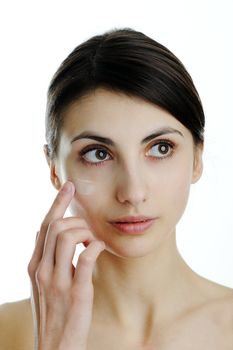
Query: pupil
(163, 149)
(101, 155)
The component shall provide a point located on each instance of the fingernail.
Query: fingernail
(67, 187)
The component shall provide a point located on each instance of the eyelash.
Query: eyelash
(101, 147)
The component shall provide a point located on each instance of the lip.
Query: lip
(133, 224)
(138, 218)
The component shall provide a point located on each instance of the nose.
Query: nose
(131, 187)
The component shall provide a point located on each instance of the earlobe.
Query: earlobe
(54, 177)
(198, 163)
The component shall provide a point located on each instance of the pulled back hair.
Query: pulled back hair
(126, 61)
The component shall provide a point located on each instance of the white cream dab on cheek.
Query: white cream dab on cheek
(84, 187)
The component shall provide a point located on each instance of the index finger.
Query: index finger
(57, 210)
(60, 204)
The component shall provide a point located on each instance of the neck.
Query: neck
(132, 291)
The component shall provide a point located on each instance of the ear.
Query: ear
(198, 162)
(52, 163)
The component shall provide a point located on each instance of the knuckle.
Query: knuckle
(55, 225)
(64, 238)
(31, 268)
(58, 288)
(41, 275)
(85, 259)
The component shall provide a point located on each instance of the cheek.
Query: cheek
(81, 205)
(174, 189)
(92, 210)
(181, 192)
(91, 196)
(178, 203)
(89, 207)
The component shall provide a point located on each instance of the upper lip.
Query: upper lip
(132, 219)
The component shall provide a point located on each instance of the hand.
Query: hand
(62, 295)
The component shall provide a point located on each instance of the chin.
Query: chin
(130, 249)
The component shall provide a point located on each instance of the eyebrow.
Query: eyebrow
(109, 142)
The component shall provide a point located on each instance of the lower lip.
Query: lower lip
(133, 228)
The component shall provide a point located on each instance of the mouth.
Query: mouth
(126, 219)
(133, 224)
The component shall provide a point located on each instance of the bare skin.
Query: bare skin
(208, 327)
(145, 296)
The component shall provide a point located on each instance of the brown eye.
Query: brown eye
(96, 155)
(160, 150)
(163, 149)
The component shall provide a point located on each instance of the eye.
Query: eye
(161, 149)
(95, 155)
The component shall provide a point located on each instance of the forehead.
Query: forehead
(110, 112)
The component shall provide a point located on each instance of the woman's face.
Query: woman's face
(134, 159)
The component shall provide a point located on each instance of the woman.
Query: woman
(125, 135)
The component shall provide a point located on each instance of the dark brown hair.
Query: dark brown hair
(127, 61)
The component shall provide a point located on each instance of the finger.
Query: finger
(65, 249)
(60, 204)
(57, 229)
(57, 210)
(86, 263)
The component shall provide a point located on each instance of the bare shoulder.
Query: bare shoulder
(16, 325)
(208, 323)
(219, 307)
(217, 293)
(222, 305)
(216, 296)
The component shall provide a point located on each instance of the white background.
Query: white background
(35, 37)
